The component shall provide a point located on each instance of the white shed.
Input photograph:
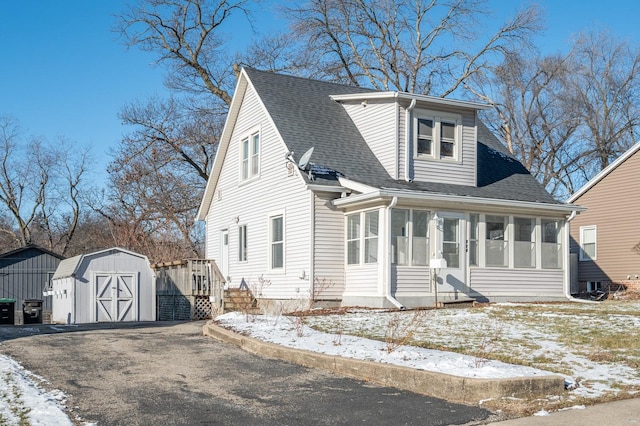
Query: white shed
(106, 286)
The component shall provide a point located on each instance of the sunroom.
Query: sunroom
(420, 251)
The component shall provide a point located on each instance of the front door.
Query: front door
(115, 297)
(450, 241)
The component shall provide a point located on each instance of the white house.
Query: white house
(111, 285)
(396, 182)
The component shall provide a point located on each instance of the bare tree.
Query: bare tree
(535, 119)
(605, 91)
(189, 36)
(40, 187)
(159, 173)
(430, 47)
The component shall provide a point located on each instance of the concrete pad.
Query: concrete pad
(452, 388)
(626, 412)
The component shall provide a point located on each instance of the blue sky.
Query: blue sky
(64, 73)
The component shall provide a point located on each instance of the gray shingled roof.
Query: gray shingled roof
(306, 117)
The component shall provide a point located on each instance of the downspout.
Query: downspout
(312, 247)
(567, 269)
(387, 292)
(407, 141)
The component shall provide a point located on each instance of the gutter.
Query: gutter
(567, 269)
(448, 198)
(387, 284)
(407, 140)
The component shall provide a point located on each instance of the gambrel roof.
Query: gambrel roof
(305, 115)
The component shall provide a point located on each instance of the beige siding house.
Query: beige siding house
(606, 238)
(401, 200)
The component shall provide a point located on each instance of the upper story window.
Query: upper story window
(436, 136)
(250, 155)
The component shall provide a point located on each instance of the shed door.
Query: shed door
(115, 297)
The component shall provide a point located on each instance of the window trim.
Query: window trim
(253, 157)
(271, 243)
(582, 256)
(437, 118)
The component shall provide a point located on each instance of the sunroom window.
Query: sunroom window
(524, 242)
(496, 242)
(409, 237)
(359, 237)
(551, 244)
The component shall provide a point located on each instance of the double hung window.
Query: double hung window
(242, 243)
(276, 224)
(588, 249)
(436, 136)
(250, 155)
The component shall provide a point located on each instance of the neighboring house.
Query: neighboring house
(111, 285)
(395, 182)
(24, 274)
(606, 238)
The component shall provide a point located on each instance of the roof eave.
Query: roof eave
(597, 178)
(411, 96)
(225, 138)
(355, 200)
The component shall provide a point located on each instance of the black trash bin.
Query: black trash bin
(32, 311)
(7, 311)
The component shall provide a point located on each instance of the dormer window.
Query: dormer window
(436, 136)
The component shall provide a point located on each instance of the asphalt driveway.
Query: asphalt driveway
(169, 373)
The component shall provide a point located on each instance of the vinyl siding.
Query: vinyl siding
(329, 248)
(24, 275)
(462, 172)
(63, 306)
(501, 282)
(411, 280)
(253, 202)
(80, 291)
(363, 280)
(613, 205)
(377, 123)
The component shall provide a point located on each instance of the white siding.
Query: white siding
(363, 280)
(252, 203)
(329, 248)
(377, 123)
(62, 301)
(460, 173)
(502, 282)
(411, 280)
(79, 303)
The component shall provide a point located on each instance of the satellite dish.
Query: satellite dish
(304, 160)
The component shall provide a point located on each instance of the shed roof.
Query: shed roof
(18, 251)
(68, 267)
